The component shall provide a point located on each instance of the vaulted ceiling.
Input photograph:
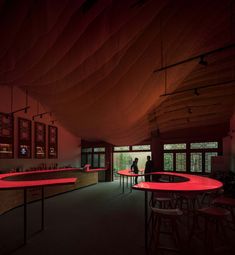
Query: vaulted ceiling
(93, 63)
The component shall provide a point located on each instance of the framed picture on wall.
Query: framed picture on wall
(39, 140)
(52, 142)
(6, 135)
(24, 138)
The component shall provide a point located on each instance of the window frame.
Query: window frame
(188, 152)
(91, 151)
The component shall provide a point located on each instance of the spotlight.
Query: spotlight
(196, 92)
(202, 61)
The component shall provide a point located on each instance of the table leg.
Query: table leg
(146, 218)
(120, 180)
(131, 183)
(25, 215)
(42, 209)
(127, 182)
(123, 184)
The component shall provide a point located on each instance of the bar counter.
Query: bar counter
(54, 182)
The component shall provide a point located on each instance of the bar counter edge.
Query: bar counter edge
(12, 198)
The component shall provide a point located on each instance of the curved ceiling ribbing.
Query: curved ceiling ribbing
(94, 68)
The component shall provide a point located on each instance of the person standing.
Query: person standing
(134, 168)
(148, 169)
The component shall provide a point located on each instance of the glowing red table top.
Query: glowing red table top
(190, 183)
(129, 173)
(5, 183)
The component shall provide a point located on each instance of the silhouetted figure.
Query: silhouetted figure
(134, 168)
(148, 169)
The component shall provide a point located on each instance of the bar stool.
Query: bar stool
(163, 200)
(209, 196)
(166, 215)
(160, 200)
(228, 203)
(214, 219)
(188, 201)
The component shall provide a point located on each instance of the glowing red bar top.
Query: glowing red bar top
(190, 183)
(87, 169)
(16, 184)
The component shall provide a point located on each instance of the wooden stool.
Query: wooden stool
(163, 200)
(214, 219)
(171, 216)
(228, 203)
(188, 199)
(209, 196)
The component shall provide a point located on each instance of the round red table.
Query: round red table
(129, 174)
(190, 183)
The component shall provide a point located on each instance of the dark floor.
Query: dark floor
(94, 220)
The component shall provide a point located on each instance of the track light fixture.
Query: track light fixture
(25, 109)
(53, 122)
(203, 61)
(201, 56)
(196, 92)
(40, 115)
(224, 83)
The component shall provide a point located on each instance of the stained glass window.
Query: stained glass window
(181, 162)
(99, 149)
(208, 145)
(208, 156)
(196, 162)
(83, 163)
(141, 148)
(102, 160)
(89, 159)
(177, 146)
(86, 149)
(95, 160)
(168, 161)
(122, 148)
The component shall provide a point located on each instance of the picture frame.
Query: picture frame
(52, 142)
(24, 138)
(6, 136)
(39, 140)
